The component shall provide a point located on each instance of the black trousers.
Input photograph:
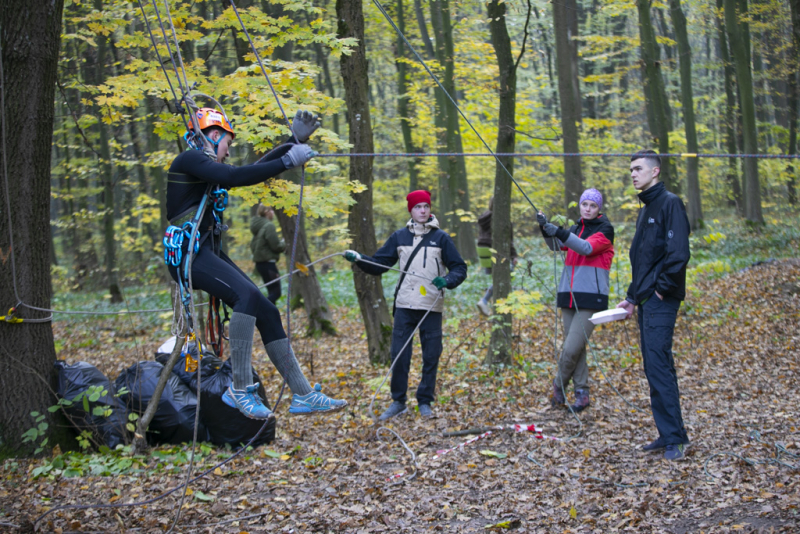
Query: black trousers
(269, 272)
(220, 277)
(656, 325)
(430, 335)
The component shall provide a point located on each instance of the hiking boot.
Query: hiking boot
(581, 400)
(655, 445)
(315, 402)
(484, 307)
(248, 402)
(675, 452)
(394, 409)
(558, 398)
(425, 411)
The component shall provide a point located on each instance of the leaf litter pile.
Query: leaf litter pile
(736, 351)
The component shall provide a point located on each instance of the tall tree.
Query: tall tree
(457, 169)
(658, 113)
(695, 206)
(369, 290)
(730, 114)
(403, 99)
(744, 76)
(793, 97)
(500, 350)
(30, 35)
(565, 28)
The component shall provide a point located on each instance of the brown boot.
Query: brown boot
(558, 398)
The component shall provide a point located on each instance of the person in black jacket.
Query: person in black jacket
(190, 175)
(659, 255)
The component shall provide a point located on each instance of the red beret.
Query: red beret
(417, 197)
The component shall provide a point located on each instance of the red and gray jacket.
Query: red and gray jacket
(590, 250)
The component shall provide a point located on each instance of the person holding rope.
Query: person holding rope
(582, 291)
(659, 255)
(485, 255)
(190, 175)
(424, 252)
(267, 247)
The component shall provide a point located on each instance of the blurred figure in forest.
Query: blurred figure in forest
(485, 255)
(582, 291)
(195, 177)
(433, 263)
(267, 247)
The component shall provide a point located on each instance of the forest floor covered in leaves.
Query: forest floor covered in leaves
(737, 351)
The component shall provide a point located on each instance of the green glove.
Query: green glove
(440, 282)
(352, 255)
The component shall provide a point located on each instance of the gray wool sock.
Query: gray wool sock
(287, 365)
(240, 332)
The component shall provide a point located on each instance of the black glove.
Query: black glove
(562, 234)
(549, 229)
(541, 219)
(304, 124)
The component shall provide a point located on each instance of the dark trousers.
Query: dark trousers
(430, 335)
(656, 325)
(269, 272)
(220, 277)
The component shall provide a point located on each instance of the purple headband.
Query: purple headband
(594, 195)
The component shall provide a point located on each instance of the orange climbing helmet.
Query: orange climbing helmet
(208, 117)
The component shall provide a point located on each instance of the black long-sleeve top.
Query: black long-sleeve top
(192, 171)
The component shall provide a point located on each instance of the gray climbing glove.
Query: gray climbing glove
(298, 155)
(541, 219)
(351, 255)
(304, 124)
(549, 229)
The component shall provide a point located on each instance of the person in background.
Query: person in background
(434, 264)
(267, 247)
(582, 291)
(485, 254)
(659, 255)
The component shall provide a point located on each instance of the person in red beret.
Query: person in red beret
(433, 264)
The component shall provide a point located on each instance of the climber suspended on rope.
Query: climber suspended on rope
(198, 177)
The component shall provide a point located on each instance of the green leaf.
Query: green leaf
(200, 496)
(493, 454)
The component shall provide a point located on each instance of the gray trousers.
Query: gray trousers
(572, 364)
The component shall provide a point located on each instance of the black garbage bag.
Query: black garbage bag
(174, 418)
(78, 378)
(226, 425)
(208, 366)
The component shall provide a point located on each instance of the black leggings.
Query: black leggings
(220, 277)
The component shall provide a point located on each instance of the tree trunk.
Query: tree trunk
(500, 346)
(793, 97)
(307, 285)
(369, 289)
(695, 206)
(730, 116)
(458, 187)
(403, 100)
(30, 39)
(655, 93)
(565, 28)
(752, 197)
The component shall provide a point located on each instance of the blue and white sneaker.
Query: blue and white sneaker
(248, 402)
(315, 402)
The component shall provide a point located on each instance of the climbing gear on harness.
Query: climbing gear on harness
(220, 197)
(173, 241)
(315, 402)
(247, 402)
(192, 352)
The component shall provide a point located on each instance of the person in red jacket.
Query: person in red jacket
(582, 291)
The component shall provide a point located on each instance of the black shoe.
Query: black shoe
(655, 446)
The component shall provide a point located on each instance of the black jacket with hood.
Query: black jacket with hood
(660, 248)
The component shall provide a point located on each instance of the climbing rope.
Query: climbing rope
(543, 155)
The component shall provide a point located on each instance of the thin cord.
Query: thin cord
(544, 155)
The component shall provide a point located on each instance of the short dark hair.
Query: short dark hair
(652, 155)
